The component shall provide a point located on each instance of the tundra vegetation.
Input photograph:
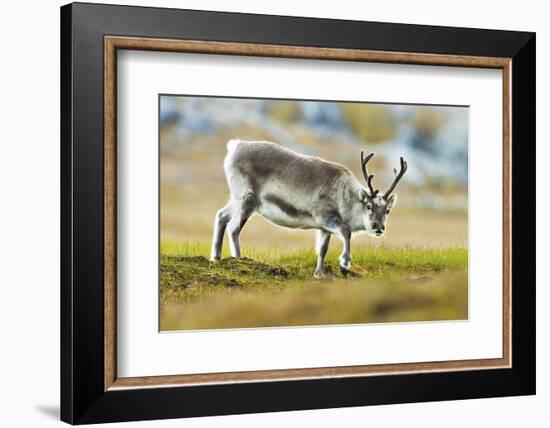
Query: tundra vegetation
(416, 272)
(276, 288)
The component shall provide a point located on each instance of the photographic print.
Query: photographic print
(280, 212)
(323, 207)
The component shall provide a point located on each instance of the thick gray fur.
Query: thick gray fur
(298, 192)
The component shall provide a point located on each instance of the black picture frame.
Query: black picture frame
(83, 398)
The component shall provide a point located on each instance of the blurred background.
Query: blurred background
(433, 198)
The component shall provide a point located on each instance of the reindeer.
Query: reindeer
(300, 192)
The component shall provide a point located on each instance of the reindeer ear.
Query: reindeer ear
(392, 200)
(363, 195)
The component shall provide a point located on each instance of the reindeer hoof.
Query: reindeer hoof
(319, 274)
(345, 266)
(345, 271)
(215, 258)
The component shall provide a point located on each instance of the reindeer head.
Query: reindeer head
(377, 207)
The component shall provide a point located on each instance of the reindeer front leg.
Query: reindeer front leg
(335, 225)
(323, 239)
(345, 257)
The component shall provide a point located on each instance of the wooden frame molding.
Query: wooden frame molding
(113, 43)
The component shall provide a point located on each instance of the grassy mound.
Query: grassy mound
(271, 288)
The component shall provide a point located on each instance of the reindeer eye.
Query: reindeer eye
(369, 206)
(387, 211)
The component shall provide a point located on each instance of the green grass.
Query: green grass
(373, 262)
(276, 287)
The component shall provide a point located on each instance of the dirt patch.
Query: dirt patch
(219, 280)
(245, 265)
(195, 260)
(242, 265)
(195, 273)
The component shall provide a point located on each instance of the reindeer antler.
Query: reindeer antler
(368, 178)
(397, 177)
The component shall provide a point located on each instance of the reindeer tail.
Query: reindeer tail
(232, 144)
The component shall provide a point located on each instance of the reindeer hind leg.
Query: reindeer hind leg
(223, 216)
(323, 240)
(240, 215)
